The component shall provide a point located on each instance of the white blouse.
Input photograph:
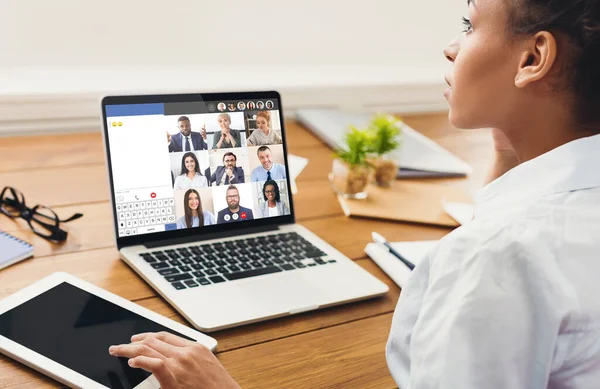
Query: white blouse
(510, 300)
(183, 182)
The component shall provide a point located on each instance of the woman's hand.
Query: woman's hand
(176, 363)
(230, 139)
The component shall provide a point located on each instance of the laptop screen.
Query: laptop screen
(196, 165)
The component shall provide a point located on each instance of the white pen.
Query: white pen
(380, 239)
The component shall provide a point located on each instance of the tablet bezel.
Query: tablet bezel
(60, 372)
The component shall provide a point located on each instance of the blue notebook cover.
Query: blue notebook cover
(13, 250)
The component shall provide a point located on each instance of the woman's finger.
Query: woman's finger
(133, 350)
(158, 367)
(167, 349)
(166, 337)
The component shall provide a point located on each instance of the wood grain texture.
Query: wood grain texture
(356, 360)
(337, 347)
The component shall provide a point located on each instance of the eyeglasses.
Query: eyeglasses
(269, 191)
(42, 220)
(233, 196)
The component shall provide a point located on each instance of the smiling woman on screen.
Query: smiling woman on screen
(190, 176)
(508, 300)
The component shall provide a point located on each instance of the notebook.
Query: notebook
(418, 156)
(13, 250)
(392, 266)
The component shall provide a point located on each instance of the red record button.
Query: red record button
(153, 195)
(243, 215)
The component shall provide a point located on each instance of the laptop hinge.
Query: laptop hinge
(217, 235)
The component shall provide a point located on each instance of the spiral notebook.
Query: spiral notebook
(13, 250)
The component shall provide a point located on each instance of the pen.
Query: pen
(380, 239)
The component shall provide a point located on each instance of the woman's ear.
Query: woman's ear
(537, 59)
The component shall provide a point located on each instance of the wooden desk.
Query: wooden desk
(341, 347)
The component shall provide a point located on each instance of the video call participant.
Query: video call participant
(186, 140)
(263, 135)
(193, 215)
(226, 137)
(234, 211)
(268, 170)
(273, 206)
(229, 173)
(190, 174)
(221, 107)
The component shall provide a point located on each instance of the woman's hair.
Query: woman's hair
(224, 115)
(579, 21)
(188, 211)
(277, 195)
(266, 115)
(184, 169)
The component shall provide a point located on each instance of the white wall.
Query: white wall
(75, 50)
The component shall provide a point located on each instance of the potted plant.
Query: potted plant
(385, 135)
(351, 172)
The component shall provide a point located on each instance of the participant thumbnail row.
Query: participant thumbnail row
(241, 105)
(197, 132)
(200, 169)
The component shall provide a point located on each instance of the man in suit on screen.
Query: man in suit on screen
(186, 140)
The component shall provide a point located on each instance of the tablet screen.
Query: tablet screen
(75, 328)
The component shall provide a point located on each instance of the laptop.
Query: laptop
(203, 212)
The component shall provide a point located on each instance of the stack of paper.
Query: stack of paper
(419, 156)
(392, 266)
(296, 165)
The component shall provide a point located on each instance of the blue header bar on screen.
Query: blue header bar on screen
(135, 109)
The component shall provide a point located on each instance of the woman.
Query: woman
(226, 137)
(190, 174)
(508, 300)
(273, 206)
(263, 135)
(194, 216)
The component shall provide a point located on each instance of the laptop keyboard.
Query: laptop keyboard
(206, 264)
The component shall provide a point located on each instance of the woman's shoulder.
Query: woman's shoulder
(509, 244)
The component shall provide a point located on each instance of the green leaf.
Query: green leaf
(358, 145)
(384, 132)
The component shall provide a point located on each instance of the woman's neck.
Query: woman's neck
(266, 130)
(194, 213)
(191, 174)
(272, 203)
(539, 129)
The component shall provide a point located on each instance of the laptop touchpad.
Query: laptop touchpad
(287, 293)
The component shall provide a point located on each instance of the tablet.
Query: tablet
(63, 326)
